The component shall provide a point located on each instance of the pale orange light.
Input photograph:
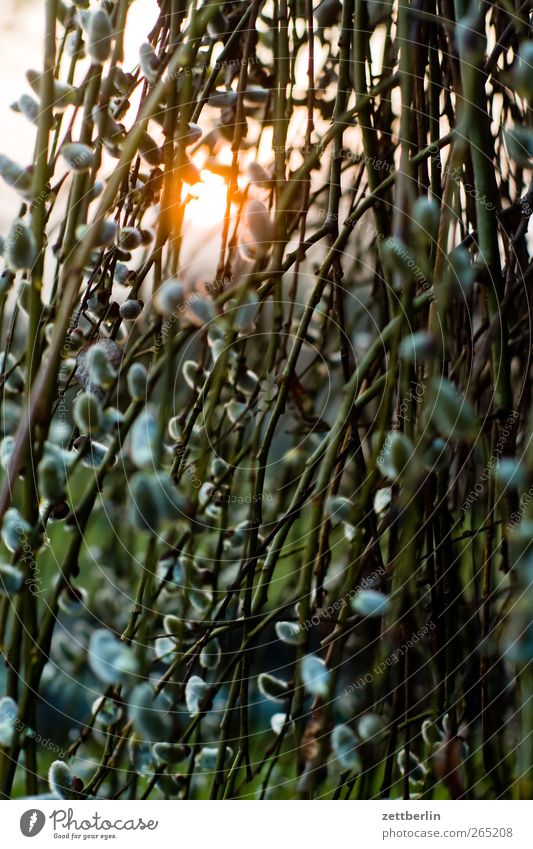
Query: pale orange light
(207, 205)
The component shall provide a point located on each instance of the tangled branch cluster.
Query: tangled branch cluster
(236, 557)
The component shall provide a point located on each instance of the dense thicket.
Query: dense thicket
(266, 413)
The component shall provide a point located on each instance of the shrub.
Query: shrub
(266, 408)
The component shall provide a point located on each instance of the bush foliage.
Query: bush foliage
(267, 480)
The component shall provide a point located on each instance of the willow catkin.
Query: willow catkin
(99, 35)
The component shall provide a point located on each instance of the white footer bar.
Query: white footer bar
(269, 824)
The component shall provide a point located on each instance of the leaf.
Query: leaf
(8, 709)
(142, 757)
(417, 771)
(238, 413)
(79, 157)
(170, 753)
(99, 36)
(289, 632)
(315, 675)
(210, 655)
(137, 381)
(14, 529)
(111, 660)
(452, 415)
(370, 603)
(153, 499)
(87, 413)
(369, 726)
(169, 297)
(61, 780)
(11, 579)
(149, 62)
(344, 743)
(338, 509)
(8, 715)
(106, 711)
(277, 721)
(20, 249)
(149, 713)
(164, 649)
(144, 444)
(195, 692)
(397, 455)
(272, 688)
(244, 314)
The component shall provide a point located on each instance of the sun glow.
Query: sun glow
(206, 206)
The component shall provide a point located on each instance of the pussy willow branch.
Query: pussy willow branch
(41, 642)
(414, 541)
(477, 129)
(41, 396)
